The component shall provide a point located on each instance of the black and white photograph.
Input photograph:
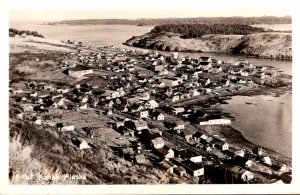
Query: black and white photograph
(144, 95)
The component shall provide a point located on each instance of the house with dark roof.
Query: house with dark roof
(219, 144)
(193, 168)
(242, 174)
(178, 126)
(137, 125)
(167, 166)
(180, 171)
(242, 161)
(198, 136)
(165, 152)
(157, 115)
(188, 155)
(80, 143)
(205, 59)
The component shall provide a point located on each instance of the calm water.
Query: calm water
(266, 122)
(93, 34)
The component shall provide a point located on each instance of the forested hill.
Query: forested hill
(198, 30)
(197, 20)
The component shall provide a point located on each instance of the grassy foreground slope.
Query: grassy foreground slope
(267, 44)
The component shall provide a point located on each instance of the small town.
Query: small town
(153, 109)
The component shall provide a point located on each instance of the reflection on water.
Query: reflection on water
(266, 121)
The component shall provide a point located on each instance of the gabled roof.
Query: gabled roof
(154, 130)
(178, 122)
(157, 141)
(237, 170)
(164, 150)
(186, 154)
(191, 165)
(140, 123)
(198, 134)
(155, 114)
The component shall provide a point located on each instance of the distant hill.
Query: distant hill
(196, 20)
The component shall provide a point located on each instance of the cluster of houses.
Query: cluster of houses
(138, 82)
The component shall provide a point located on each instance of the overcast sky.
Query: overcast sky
(52, 10)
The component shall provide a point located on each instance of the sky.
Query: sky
(55, 10)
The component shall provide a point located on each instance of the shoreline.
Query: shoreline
(214, 52)
(260, 45)
(236, 139)
(233, 135)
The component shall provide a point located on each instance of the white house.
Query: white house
(82, 144)
(166, 152)
(243, 174)
(240, 153)
(175, 98)
(68, 128)
(83, 107)
(205, 59)
(79, 71)
(216, 122)
(178, 125)
(158, 143)
(20, 116)
(267, 160)
(178, 110)
(152, 104)
(194, 92)
(38, 122)
(158, 116)
(144, 114)
(219, 144)
(247, 176)
(192, 168)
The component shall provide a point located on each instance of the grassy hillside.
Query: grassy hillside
(269, 44)
(42, 150)
(52, 153)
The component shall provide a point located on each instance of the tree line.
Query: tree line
(13, 32)
(195, 20)
(198, 30)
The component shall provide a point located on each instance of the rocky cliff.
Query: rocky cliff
(268, 45)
